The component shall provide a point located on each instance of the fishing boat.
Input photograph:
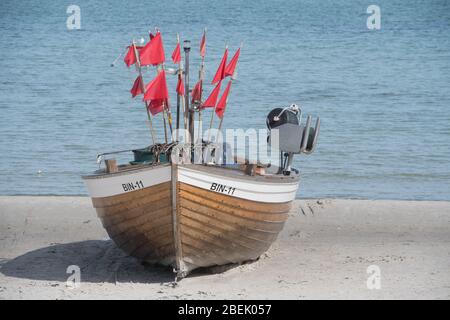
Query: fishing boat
(180, 203)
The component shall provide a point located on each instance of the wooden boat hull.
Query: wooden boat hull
(136, 210)
(229, 218)
(192, 216)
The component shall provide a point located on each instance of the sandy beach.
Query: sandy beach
(324, 252)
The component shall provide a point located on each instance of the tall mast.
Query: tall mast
(138, 64)
(201, 75)
(179, 98)
(187, 49)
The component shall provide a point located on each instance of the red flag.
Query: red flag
(130, 58)
(156, 106)
(220, 109)
(220, 73)
(229, 70)
(180, 86)
(212, 99)
(176, 54)
(137, 87)
(153, 52)
(203, 45)
(197, 92)
(157, 88)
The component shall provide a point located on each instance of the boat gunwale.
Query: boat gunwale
(132, 169)
(218, 171)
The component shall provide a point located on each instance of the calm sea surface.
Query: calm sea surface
(383, 95)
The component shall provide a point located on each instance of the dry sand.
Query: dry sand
(323, 252)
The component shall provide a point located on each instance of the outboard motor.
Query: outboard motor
(295, 138)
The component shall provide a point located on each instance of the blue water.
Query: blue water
(383, 95)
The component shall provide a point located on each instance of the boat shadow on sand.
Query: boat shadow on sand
(99, 261)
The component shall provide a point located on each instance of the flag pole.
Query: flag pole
(187, 48)
(138, 63)
(226, 103)
(185, 113)
(211, 122)
(164, 121)
(233, 77)
(169, 115)
(220, 123)
(178, 112)
(165, 102)
(158, 70)
(178, 95)
(183, 102)
(212, 114)
(201, 75)
(167, 108)
(120, 56)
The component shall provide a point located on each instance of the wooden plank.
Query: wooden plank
(234, 218)
(232, 202)
(204, 248)
(145, 223)
(180, 268)
(231, 229)
(217, 228)
(145, 201)
(164, 250)
(211, 203)
(199, 258)
(204, 257)
(139, 222)
(138, 213)
(217, 235)
(165, 256)
(133, 239)
(130, 196)
(144, 245)
(111, 166)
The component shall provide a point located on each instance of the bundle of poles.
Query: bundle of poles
(189, 102)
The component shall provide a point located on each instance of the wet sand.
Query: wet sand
(324, 252)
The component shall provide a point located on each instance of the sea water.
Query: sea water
(383, 94)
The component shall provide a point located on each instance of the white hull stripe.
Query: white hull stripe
(260, 191)
(122, 183)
